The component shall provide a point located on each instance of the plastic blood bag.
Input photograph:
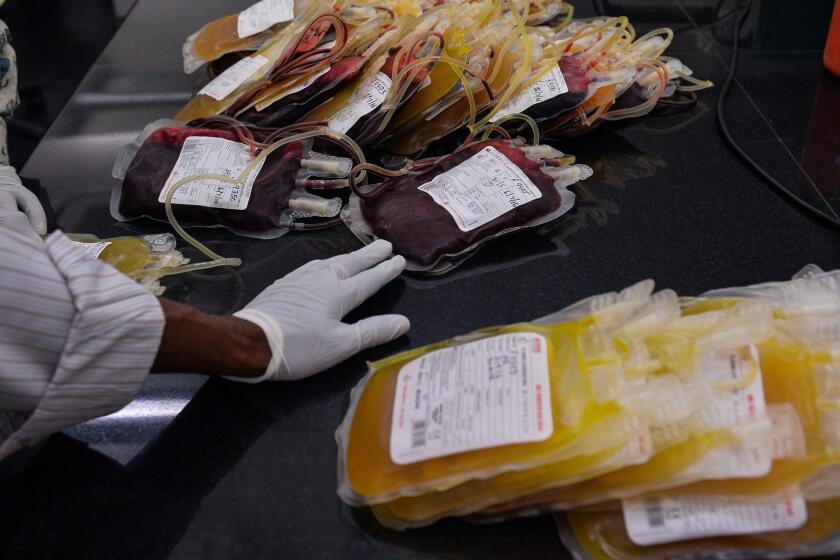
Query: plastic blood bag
(243, 31)
(561, 88)
(774, 526)
(475, 495)
(221, 172)
(145, 259)
(257, 205)
(449, 208)
(297, 103)
(389, 449)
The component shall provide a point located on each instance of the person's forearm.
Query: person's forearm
(196, 342)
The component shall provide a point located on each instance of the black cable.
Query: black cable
(724, 93)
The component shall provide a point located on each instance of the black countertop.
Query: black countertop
(250, 471)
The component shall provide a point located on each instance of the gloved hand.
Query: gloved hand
(301, 313)
(14, 196)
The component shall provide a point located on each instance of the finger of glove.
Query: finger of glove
(380, 329)
(351, 264)
(31, 206)
(367, 283)
(16, 221)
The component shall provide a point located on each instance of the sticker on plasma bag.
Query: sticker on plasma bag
(549, 86)
(223, 85)
(201, 155)
(669, 519)
(481, 188)
(490, 392)
(263, 15)
(367, 98)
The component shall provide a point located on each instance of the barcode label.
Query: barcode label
(418, 433)
(225, 83)
(669, 519)
(263, 15)
(655, 513)
(489, 392)
(202, 155)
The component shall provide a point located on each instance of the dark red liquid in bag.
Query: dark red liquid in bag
(423, 231)
(578, 83)
(154, 161)
(292, 107)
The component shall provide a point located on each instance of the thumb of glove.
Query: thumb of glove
(380, 329)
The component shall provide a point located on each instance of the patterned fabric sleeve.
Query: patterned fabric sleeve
(9, 99)
(76, 336)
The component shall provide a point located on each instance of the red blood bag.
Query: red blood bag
(437, 217)
(157, 158)
(290, 108)
(577, 82)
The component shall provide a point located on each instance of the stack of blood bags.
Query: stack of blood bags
(662, 427)
(397, 79)
(408, 91)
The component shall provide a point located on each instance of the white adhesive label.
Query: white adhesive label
(263, 15)
(223, 85)
(368, 97)
(744, 404)
(752, 455)
(92, 250)
(748, 404)
(668, 519)
(550, 85)
(481, 188)
(490, 392)
(201, 155)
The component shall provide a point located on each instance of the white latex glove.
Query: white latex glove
(301, 313)
(14, 196)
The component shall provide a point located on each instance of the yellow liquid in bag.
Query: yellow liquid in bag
(422, 132)
(603, 536)
(787, 370)
(479, 494)
(221, 36)
(370, 471)
(129, 255)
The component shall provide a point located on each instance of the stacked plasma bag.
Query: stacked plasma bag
(662, 427)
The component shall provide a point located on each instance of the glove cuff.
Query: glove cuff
(273, 335)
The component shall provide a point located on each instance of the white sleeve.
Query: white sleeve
(76, 336)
